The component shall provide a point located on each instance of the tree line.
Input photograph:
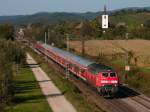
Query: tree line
(11, 53)
(92, 30)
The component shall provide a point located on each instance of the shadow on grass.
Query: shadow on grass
(24, 92)
(32, 65)
(25, 86)
(21, 99)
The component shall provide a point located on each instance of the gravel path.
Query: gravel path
(55, 98)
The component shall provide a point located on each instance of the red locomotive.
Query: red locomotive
(102, 77)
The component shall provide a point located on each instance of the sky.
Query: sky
(22, 7)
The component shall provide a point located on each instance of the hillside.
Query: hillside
(126, 14)
(131, 18)
(46, 18)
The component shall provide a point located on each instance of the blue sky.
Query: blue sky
(17, 7)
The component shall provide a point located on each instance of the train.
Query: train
(103, 78)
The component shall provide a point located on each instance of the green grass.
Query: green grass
(71, 92)
(119, 62)
(28, 96)
(138, 77)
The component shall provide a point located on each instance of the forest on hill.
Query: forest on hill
(48, 18)
(56, 17)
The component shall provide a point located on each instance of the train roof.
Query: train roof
(96, 68)
(78, 59)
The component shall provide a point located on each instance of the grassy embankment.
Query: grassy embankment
(71, 92)
(28, 96)
(138, 77)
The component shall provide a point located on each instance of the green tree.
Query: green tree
(147, 24)
(120, 32)
(7, 31)
(10, 53)
(97, 30)
(86, 32)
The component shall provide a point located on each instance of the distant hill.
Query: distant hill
(46, 18)
(131, 10)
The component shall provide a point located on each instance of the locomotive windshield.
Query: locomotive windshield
(112, 74)
(105, 74)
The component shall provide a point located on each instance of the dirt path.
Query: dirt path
(55, 98)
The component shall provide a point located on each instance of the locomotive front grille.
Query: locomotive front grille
(109, 89)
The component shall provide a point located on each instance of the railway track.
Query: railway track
(139, 99)
(142, 102)
(122, 103)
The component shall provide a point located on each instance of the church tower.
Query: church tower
(105, 18)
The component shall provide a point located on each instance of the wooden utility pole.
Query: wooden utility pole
(48, 35)
(45, 38)
(127, 54)
(83, 46)
(68, 64)
(45, 46)
(68, 42)
(127, 67)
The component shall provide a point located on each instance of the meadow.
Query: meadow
(109, 48)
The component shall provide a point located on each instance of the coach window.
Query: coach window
(76, 69)
(52, 54)
(82, 71)
(67, 64)
(62, 60)
(70, 65)
(73, 66)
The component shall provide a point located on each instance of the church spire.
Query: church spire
(105, 9)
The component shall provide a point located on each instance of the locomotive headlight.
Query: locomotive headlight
(114, 81)
(104, 81)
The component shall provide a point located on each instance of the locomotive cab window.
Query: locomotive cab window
(105, 74)
(112, 74)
